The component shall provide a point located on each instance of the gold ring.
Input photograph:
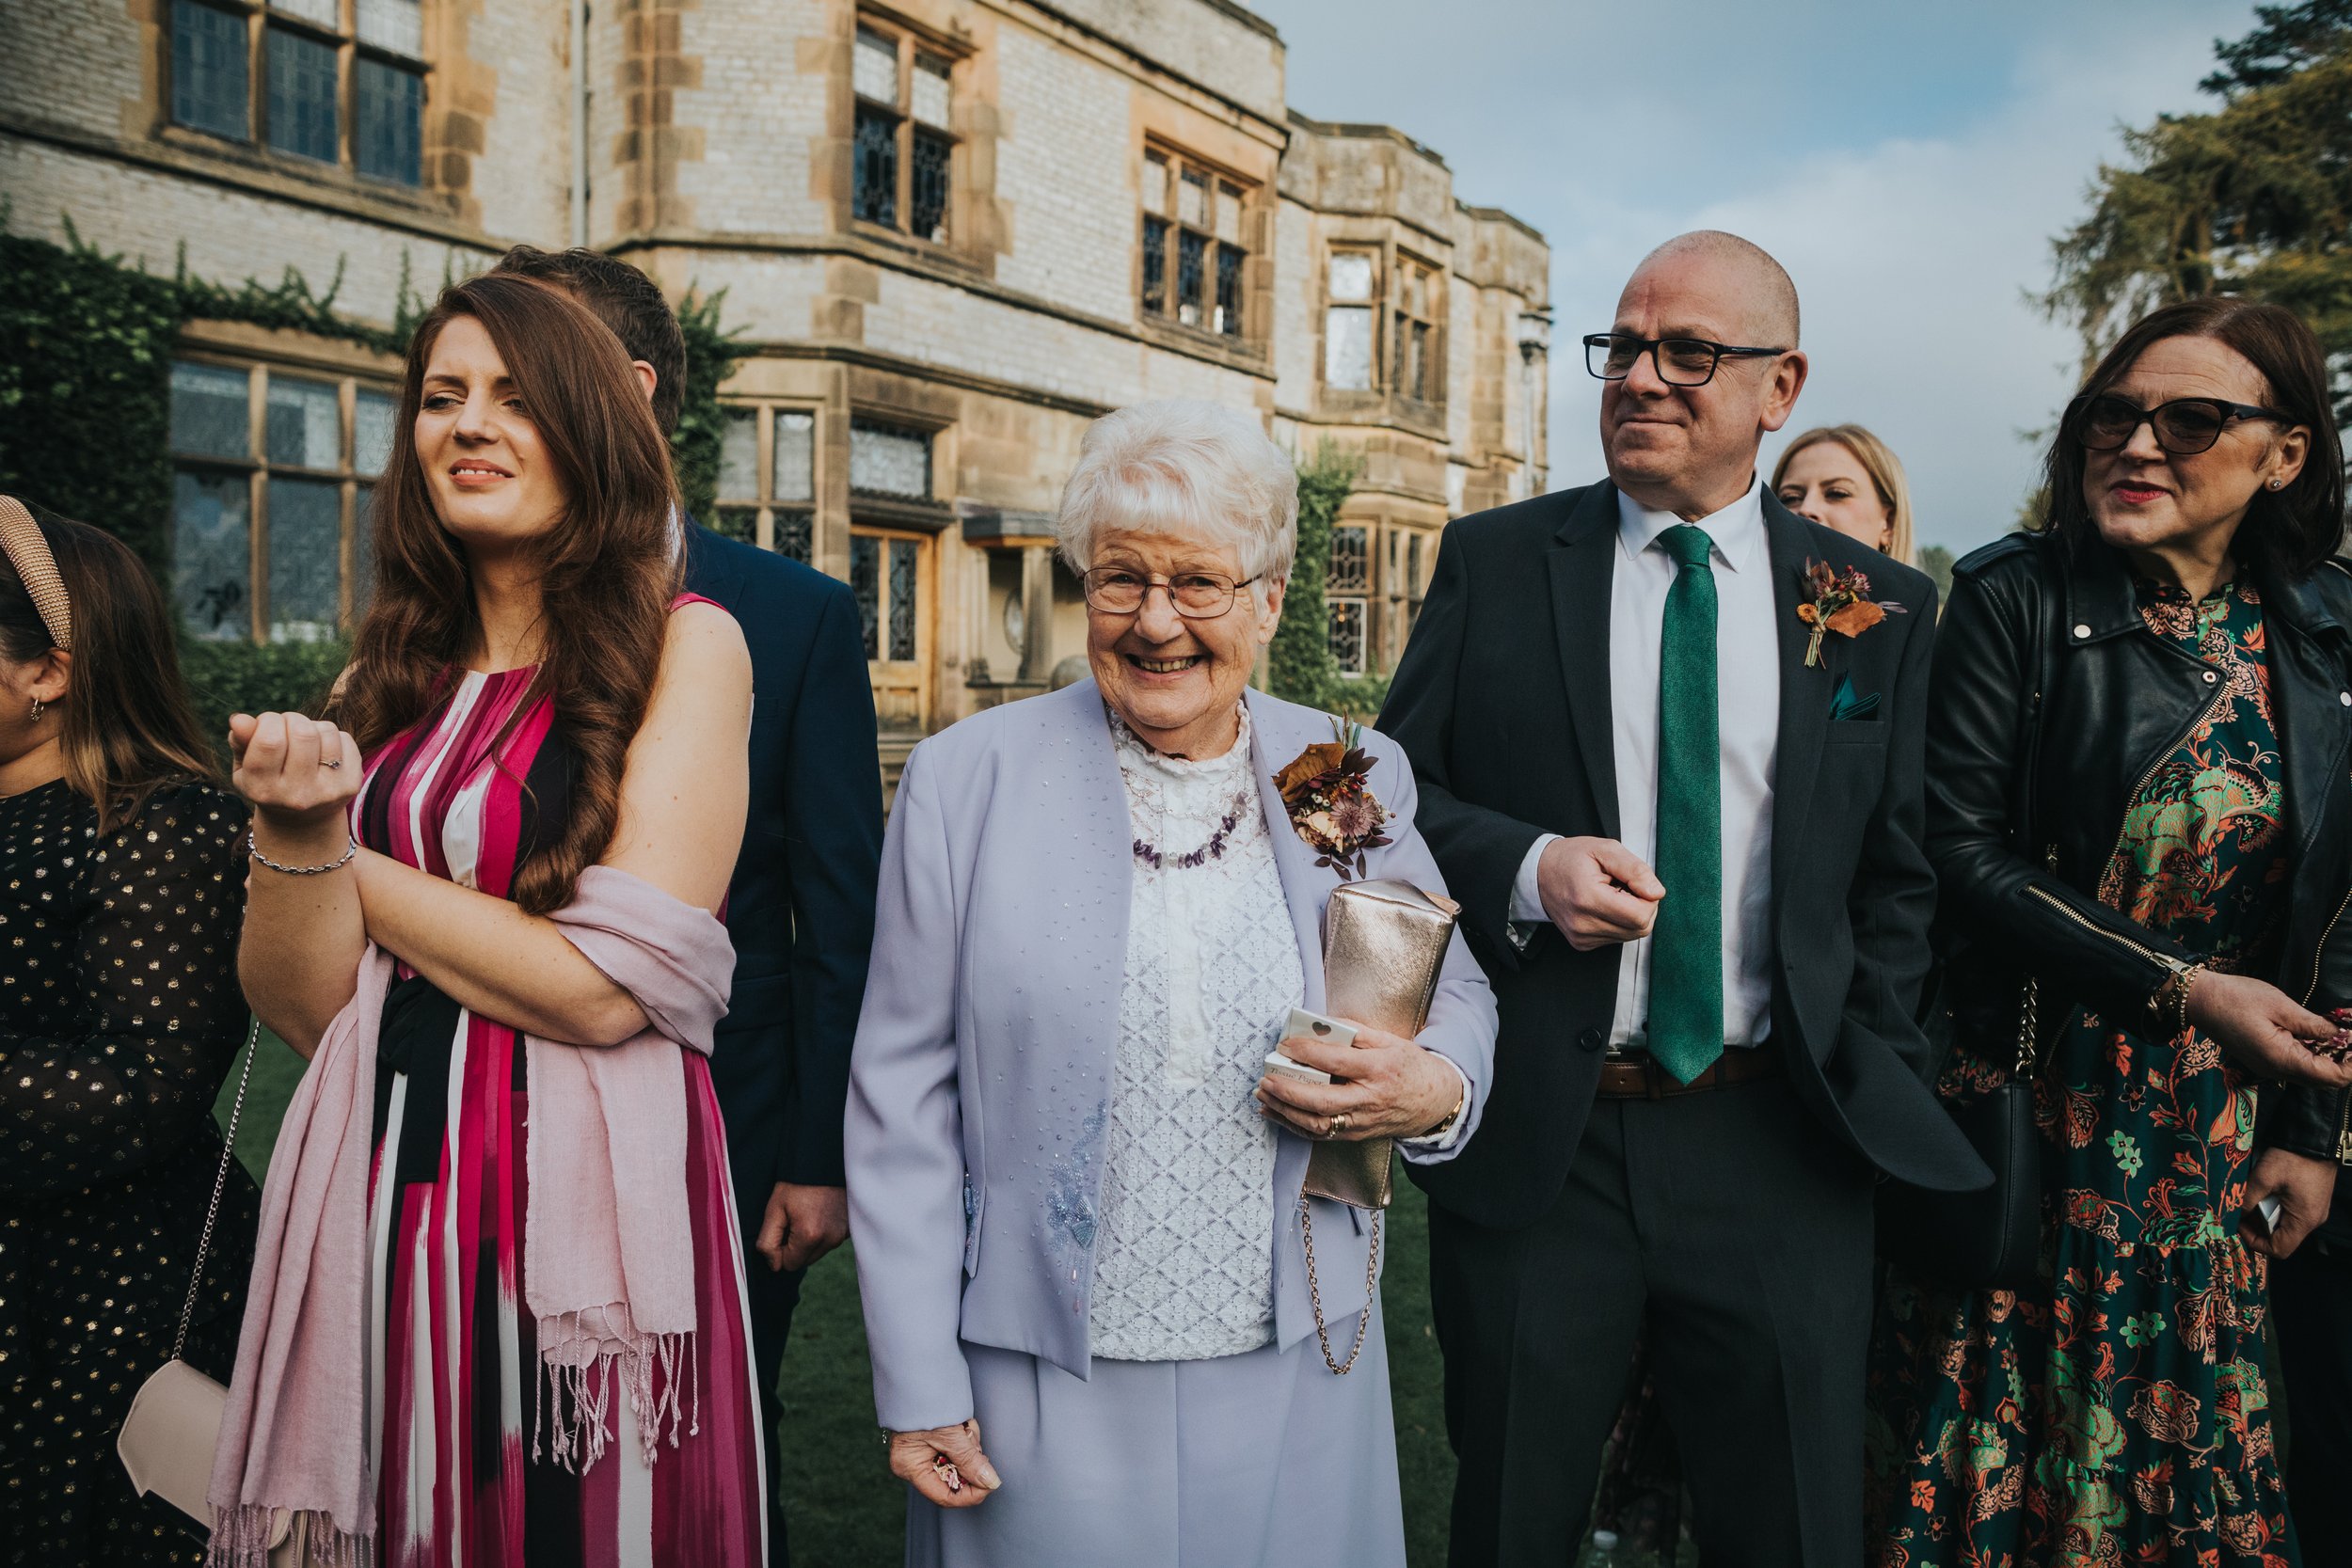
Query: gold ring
(1339, 1125)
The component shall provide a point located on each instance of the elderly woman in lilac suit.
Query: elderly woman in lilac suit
(1075, 1191)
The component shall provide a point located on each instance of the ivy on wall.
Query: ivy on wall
(712, 353)
(1299, 666)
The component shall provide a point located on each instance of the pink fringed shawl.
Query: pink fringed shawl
(609, 1259)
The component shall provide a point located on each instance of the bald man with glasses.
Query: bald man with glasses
(1684, 822)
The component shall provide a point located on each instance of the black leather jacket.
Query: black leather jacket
(2042, 647)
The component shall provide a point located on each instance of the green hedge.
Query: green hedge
(258, 677)
(711, 356)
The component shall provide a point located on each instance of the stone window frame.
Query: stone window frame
(353, 484)
(1216, 180)
(261, 19)
(1408, 563)
(782, 524)
(1424, 319)
(915, 45)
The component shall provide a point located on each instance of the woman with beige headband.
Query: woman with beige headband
(121, 885)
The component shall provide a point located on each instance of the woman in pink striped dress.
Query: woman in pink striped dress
(529, 697)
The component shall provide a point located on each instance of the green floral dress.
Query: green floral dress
(2118, 1413)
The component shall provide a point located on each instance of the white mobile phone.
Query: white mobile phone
(1304, 1025)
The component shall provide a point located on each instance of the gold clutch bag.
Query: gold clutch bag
(1384, 943)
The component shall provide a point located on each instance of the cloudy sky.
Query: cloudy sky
(1908, 163)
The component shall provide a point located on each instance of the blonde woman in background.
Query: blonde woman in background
(1843, 477)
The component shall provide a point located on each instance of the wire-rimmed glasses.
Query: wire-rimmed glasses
(1194, 595)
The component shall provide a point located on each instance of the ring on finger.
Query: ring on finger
(330, 761)
(1339, 1125)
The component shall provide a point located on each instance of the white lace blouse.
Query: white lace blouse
(1184, 1263)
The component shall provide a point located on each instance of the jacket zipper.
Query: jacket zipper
(2343, 1128)
(2094, 928)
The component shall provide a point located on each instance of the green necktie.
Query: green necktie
(1686, 973)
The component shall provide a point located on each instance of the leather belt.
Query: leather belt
(1639, 1076)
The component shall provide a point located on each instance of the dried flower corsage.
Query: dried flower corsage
(1841, 603)
(1329, 803)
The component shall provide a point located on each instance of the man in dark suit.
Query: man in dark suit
(801, 905)
(1689, 855)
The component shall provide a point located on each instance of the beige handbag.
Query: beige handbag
(168, 1438)
(1384, 946)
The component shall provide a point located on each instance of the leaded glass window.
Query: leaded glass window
(292, 455)
(774, 514)
(302, 95)
(902, 154)
(1351, 559)
(795, 466)
(1193, 233)
(1347, 634)
(903, 562)
(865, 586)
(306, 518)
(304, 423)
(296, 104)
(933, 155)
(211, 410)
(212, 553)
(209, 85)
(1347, 321)
(1192, 251)
(391, 141)
(874, 196)
(889, 460)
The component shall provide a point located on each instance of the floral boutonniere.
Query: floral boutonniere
(1841, 603)
(1330, 802)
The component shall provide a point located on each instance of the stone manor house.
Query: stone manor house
(952, 233)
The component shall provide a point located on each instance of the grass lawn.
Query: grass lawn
(846, 1510)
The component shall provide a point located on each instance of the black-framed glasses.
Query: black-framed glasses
(1680, 361)
(2183, 427)
(1194, 595)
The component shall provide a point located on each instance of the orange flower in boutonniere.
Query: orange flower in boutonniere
(1841, 603)
(1330, 802)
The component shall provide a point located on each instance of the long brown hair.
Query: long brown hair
(124, 725)
(2286, 533)
(607, 570)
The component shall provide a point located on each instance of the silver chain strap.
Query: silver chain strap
(221, 1185)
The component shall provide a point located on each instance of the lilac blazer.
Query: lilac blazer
(980, 1082)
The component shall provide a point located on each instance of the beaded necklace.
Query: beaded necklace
(1158, 860)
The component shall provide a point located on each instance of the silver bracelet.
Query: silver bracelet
(255, 850)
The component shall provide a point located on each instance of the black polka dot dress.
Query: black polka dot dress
(120, 1016)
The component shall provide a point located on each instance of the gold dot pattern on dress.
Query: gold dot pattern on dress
(120, 1016)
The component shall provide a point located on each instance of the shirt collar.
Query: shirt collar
(1737, 530)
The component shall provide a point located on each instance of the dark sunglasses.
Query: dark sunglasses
(2183, 427)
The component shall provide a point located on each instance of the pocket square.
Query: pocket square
(1848, 703)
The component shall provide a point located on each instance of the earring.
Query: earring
(2274, 484)
(39, 709)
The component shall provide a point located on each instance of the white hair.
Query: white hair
(1180, 466)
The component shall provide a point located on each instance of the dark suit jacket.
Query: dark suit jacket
(800, 907)
(1503, 701)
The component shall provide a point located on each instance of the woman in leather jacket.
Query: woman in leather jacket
(2139, 800)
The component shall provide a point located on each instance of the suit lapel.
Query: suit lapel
(1804, 698)
(1584, 566)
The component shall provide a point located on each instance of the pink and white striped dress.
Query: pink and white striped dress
(451, 1350)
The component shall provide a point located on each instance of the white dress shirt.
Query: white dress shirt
(1747, 705)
